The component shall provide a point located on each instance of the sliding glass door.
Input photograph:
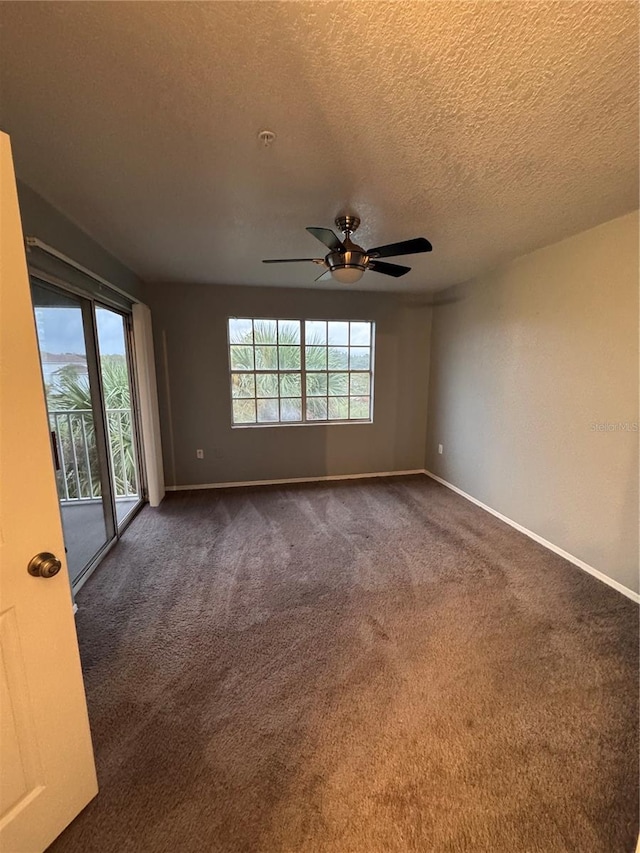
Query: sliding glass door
(112, 331)
(87, 379)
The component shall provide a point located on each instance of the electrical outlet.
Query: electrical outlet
(440, 449)
(199, 454)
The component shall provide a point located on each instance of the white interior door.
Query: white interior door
(47, 769)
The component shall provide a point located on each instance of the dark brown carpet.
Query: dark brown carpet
(355, 667)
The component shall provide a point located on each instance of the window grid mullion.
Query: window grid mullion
(255, 375)
(303, 372)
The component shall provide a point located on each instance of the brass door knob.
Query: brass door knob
(44, 565)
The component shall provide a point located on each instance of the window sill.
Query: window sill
(303, 424)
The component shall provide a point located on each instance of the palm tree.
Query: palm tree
(76, 432)
(261, 349)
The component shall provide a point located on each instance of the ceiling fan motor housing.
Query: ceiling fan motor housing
(348, 263)
(353, 259)
(353, 256)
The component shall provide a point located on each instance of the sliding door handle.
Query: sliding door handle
(54, 447)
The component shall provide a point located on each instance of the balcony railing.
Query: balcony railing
(75, 447)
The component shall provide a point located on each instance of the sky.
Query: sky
(60, 330)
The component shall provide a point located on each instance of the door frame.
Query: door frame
(88, 305)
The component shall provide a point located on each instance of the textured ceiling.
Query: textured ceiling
(490, 128)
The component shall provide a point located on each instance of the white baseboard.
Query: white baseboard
(295, 480)
(634, 596)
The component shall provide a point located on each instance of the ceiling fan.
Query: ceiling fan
(347, 262)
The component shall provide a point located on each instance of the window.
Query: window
(300, 371)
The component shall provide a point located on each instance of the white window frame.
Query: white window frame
(303, 373)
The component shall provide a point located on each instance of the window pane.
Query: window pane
(265, 331)
(266, 358)
(290, 385)
(240, 331)
(359, 407)
(266, 384)
(244, 411)
(288, 331)
(291, 410)
(243, 385)
(316, 358)
(359, 383)
(315, 332)
(338, 408)
(316, 408)
(338, 333)
(267, 411)
(241, 358)
(289, 358)
(338, 384)
(316, 384)
(338, 358)
(360, 334)
(359, 358)
(270, 379)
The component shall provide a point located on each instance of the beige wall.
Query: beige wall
(194, 390)
(42, 220)
(524, 362)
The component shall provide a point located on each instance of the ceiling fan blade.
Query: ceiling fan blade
(405, 247)
(322, 275)
(326, 236)
(293, 260)
(388, 269)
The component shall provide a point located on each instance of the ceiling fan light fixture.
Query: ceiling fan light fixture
(348, 266)
(347, 275)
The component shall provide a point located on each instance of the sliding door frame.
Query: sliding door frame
(129, 344)
(89, 303)
(98, 406)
